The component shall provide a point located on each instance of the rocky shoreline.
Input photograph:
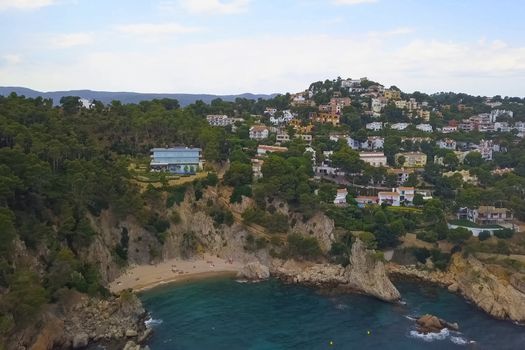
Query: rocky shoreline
(492, 292)
(365, 274)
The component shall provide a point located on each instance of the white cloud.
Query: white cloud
(391, 32)
(287, 63)
(156, 28)
(353, 2)
(72, 39)
(12, 59)
(224, 7)
(25, 4)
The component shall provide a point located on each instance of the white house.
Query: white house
(449, 129)
(398, 196)
(371, 143)
(399, 126)
(375, 126)
(502, 127)
(262, 150)
(375, 159)
(259, 132)
(424, 127)
(219, 120)
(257, 167)
(284, 118)
(447, 144)
(282, 137)
(378, 104)
(340, 197)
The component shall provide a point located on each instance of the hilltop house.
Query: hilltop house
(401, 174)
(325, 118)
(447, 144)
(371, 143)
(259, 132)
(398, 196)
(375, 159)
(375, 126)
(486, 215)
(263, 150)
(424, 127)
(257, 168)
(176, 160)
(340, 197)
(399, 126)
(412, 159)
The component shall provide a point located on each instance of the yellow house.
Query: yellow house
(412, 159)
(325, 118)
(392, 94)
(425, 115)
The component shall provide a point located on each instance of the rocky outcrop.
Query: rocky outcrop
(316, 275)
(494, 293)
(319, 226)
(432, 324)
(77, 320)
(365, 274)
(254, 271)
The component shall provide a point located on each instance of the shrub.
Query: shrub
(175, 196)
(421, 254)
(240, 191)
(440, 259)
(458, 235)
(303, 247)
(211, 179)
(427, 236)
(484, 235)
(505, 233)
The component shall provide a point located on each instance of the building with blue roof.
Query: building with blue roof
(176, 160)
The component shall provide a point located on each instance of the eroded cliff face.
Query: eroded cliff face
(76, 320)
(101, 251)
(319, 226)
(368, 274)
(365, 274)
(491, 291)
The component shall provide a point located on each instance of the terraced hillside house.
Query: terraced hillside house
(176, 160)
(412, 159)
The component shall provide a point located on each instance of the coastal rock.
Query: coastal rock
(453, 288)
(130, 333)
(490, 292)
(494, 293)
(254, 271)
(432, 324)
(80, 340)
(429, 324)
(367, 274)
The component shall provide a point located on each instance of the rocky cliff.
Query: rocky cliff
(77, 320)
(491, 291)
(365, 274)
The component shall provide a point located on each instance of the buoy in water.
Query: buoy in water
(368, 332)
(331, 343)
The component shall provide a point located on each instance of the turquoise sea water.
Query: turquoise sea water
(225, 314)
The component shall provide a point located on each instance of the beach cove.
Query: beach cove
(221, 313)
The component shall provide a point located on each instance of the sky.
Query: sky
(262, 46)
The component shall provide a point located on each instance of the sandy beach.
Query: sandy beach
(144, 277)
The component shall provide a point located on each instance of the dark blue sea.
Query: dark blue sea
(225, 314)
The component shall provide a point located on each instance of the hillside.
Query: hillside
(125, 97)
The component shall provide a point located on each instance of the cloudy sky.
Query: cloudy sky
(262, 46)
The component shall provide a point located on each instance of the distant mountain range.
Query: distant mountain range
(124, 97)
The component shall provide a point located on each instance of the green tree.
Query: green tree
(458, 235)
